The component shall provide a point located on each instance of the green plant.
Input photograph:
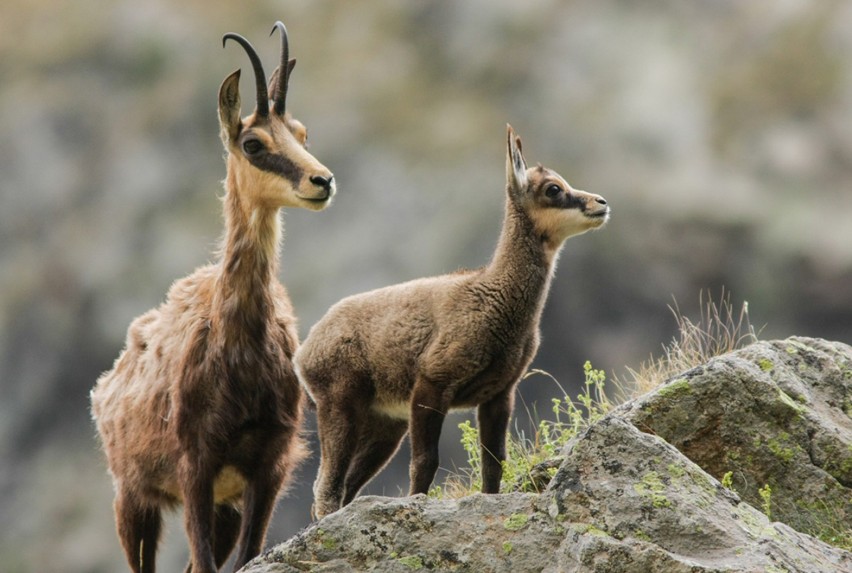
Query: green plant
(411, 561)
(526, 466)
(834, 528)
(470, 443)
(515, 521)
(766, 500)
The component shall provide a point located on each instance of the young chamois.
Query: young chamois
(203, 406)
(399, 358)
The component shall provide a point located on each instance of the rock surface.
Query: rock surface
(775, 413)
(625, 499)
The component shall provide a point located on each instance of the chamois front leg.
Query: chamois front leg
(428, 410)
(493, 421)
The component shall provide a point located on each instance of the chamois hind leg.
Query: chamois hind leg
(259, 500)
(338, 427)
(378, 442)
(493, 421)
(228, 520)
(139, 529)
(428, 410)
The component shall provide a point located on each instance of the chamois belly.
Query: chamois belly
(227, 487)
(478, 391)
(482, 389)
(397, 409)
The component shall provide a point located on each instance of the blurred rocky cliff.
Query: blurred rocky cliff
(720, 132)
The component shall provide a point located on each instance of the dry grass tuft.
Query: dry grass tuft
(720, 329)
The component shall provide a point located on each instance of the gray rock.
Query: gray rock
(774, 413)
(649, 508)
(626, 500)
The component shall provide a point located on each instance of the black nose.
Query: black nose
(324, 182)
(600, 200)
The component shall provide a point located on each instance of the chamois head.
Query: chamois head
(557, 210)
(267, 151)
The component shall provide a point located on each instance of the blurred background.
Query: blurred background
(719, 131)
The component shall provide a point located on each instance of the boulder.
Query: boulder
(638, 490)
(775, 414)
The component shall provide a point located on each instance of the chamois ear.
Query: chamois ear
(229, 108)
(516, 165)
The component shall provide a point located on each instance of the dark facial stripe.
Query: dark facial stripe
(570, 201)
(278, 164)
(564, 200)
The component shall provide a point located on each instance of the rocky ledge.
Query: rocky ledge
(640, 490)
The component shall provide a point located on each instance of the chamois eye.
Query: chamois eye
(553, 190)
(252, 146)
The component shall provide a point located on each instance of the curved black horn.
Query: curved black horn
(280, 93)
(259, 76)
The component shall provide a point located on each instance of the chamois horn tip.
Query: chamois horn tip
(260, 77)
(279, 93)
(279, 25)
(230, 36)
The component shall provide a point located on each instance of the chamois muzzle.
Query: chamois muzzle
(597, 208)
(322, 192)
(259, 75)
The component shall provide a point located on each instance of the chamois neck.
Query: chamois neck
(249, 264)
(520, 246)
(522, 265)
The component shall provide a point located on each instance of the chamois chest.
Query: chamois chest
(240, 389)
(499, 376)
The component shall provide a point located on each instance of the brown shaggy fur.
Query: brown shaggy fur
(399, 358)
(203, 407)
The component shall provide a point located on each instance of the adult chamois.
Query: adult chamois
(399, 358)
(203, 407)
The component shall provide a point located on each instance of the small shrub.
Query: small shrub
(526, 467)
